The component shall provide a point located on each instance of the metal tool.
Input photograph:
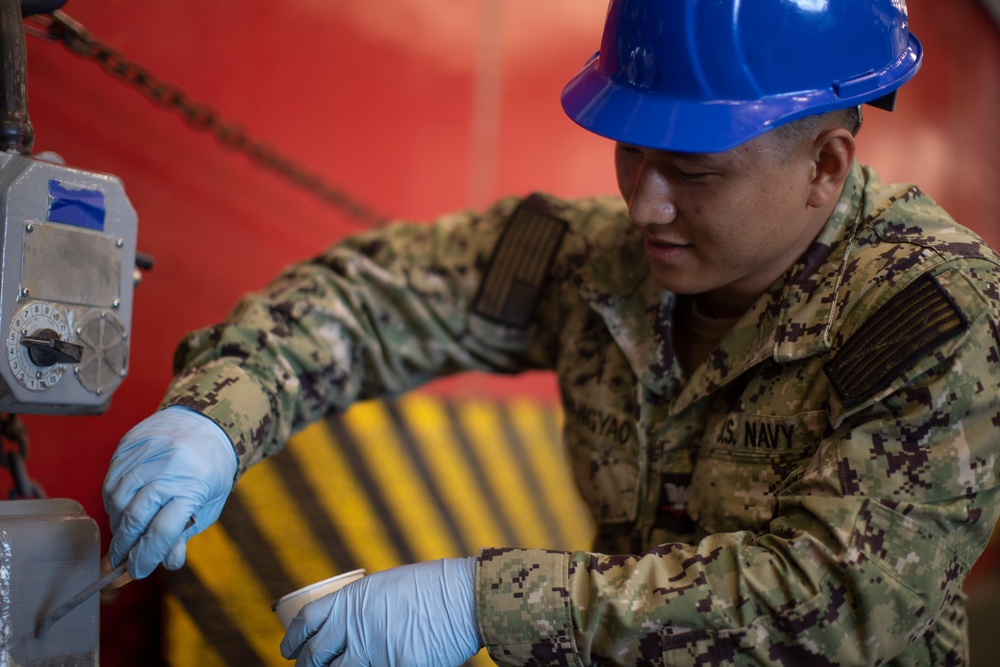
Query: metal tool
(71, 604)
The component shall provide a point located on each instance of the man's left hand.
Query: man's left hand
(422, 614)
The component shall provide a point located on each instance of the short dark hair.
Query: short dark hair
(793, 133)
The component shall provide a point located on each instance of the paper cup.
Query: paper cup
(289, 605)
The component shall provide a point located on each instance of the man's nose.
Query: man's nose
(652, 200)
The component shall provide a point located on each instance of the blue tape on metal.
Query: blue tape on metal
(80, 208)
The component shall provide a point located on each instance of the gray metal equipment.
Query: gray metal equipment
(67, 259)
(67, 272)
(49, 550)
(66, 281)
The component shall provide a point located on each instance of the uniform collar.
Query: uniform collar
(810, 290)
(616, 283)
(792, 320)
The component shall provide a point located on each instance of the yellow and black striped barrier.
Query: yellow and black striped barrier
(384, 484)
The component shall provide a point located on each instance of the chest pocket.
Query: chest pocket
(744, 460)
(603, 447)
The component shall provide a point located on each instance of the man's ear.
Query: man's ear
(833, 154)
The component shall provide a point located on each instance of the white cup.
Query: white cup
(288, 606)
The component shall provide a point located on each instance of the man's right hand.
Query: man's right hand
(167, 481)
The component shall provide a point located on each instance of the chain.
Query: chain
(59, 26)
(13, 431)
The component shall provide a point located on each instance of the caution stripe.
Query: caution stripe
(532, 477)
(383, 484)
(366, 482)
(187, 643)
(266, 563)
(409, 503)
(567, 514)
(481, 479)
(350, 517)
(231, 591)
(447, 535)
(311, 523)
(450, 468)
(270, 516)
(516, 499)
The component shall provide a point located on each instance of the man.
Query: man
(804, 359)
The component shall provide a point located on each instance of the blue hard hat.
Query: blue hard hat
(706, 75)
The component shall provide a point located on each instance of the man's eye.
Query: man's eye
(694, 175)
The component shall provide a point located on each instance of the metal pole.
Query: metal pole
(16, 133)
(993, 7)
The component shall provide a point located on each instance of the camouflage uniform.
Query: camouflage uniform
(815, 492)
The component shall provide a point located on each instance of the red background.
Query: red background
(417, 107)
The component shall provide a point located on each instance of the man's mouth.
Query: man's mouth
(664, 250)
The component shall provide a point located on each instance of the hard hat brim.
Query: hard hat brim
(641, 117)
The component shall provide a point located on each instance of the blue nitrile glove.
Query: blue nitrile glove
(422, 614)
(167, 481)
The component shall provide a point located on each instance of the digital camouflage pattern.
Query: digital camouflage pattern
(773, 516)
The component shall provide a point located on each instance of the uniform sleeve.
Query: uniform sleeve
(374, 316)
(869, 546)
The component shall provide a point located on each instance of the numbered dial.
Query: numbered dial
(35, 327)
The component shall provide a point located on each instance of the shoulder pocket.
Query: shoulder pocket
(914, 322)
(520, 264)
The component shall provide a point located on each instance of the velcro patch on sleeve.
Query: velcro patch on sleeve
(913, 323)
(520, 264)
